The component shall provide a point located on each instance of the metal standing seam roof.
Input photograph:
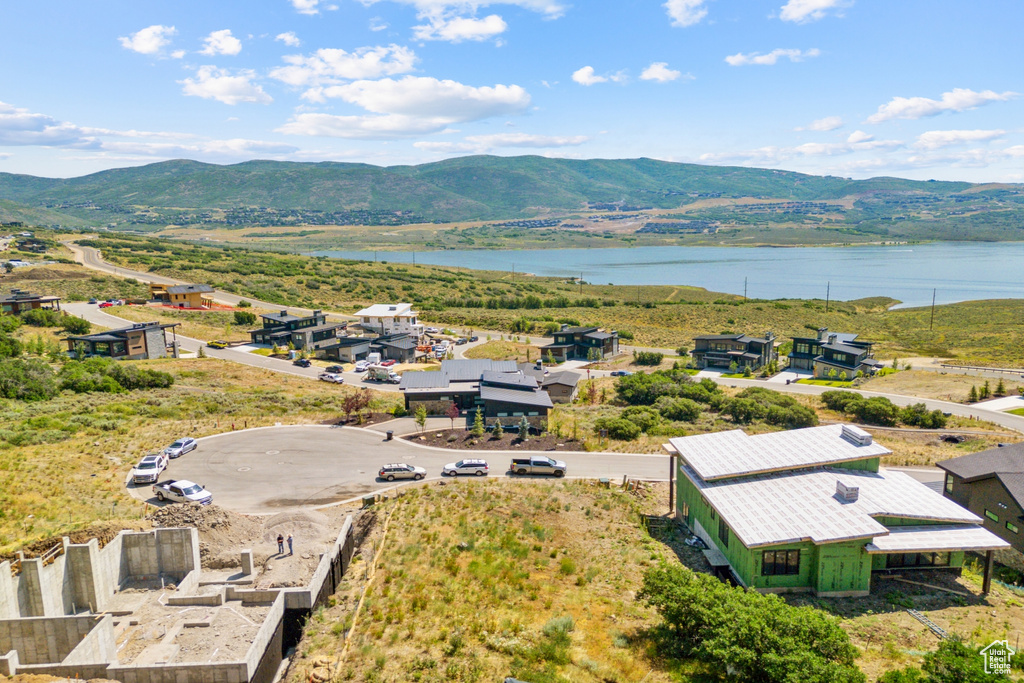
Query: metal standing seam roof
(935, 538)
(987, 463)
(788, 507)
(471, 369)
(565, 377)
(387, 311)
(187, 289)
(509, 379)
(423, 380)
(844, 348)
(600, 335)
(734, 453)
(540, 399)
(286, 318)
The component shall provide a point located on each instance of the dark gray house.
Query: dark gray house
(141, 341)
(722, 350)
(306, 333)
(582, 343)
(991, 485)
(841, 351)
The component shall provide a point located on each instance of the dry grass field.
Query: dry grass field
(927, 384)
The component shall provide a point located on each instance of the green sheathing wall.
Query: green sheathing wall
(869, 464)
(843, 568)
(956, 559)
(805, 579)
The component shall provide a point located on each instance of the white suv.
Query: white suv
(476, 467)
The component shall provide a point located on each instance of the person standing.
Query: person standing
(289, 544)
(280, 544)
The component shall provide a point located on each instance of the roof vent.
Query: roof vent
(847, 494)
(284, 313)
(856, 435)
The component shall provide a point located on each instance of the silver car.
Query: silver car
(475, 467)
(181, 447)
(401, 471)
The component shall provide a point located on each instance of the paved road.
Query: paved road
(270, 469)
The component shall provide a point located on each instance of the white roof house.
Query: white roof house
(390, 319)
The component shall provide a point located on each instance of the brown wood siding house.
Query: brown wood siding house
(19, 301)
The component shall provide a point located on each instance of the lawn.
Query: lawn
(1016, 411)
(844, 384)
(63, 462)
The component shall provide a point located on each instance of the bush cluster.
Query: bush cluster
(33, 380)
(647, 357)
(759, 637)
(757, 403)
(879, 410)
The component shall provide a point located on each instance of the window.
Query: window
(949, 483)
(917, 560)
(780, 562)
(684, 511)
(723, 532)
(1012, 527)
(803, 348)
(991, 515)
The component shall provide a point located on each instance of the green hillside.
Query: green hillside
(465, 188)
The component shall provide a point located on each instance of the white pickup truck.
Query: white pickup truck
(182, 491)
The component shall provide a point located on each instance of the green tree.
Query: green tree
(524, 429)
(832, 373)
(682, 351)
(1001, 388)
(27, 380)
(986, 391)
(245, 318)
(497, 430)
(244, 304)
(202, 351)
(972, 395)
(747, 372)
(75, 325)
(549, 358)
(733, 367)
(420, 416)
(478, 424)
(593, 354)
(842, 376)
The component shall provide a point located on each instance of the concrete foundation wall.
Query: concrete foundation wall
(45, 640)
(97, 647)
(81, 578)
(139, 555)
(178, 551)
(8, 596)
(267, 633)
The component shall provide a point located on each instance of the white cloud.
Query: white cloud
(177, 54)
(458, 29)
(586, 76)
(934, 139)
(408, 106)
(378, 24)
(219, 84)
(859, 136)
(552, 9)
(483, 144)
(958, 99)
(823, 125)
(221, 43)
(659, 71)
(772, 156)
(289, 38)
(150, 40)
(740, 59)
(306, 6)
(685, 12)
(330, 65)
(802, 11)
(20, 127)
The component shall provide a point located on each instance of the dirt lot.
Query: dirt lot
(927, 384)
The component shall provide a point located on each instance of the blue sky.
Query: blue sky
(843, 87)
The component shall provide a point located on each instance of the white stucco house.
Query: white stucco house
(390, 318)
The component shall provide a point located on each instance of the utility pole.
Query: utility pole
(744, 288)
(638, 293)
(931, 321)
(414, 258)
(828, 292)
(513, 272)
(581, 283)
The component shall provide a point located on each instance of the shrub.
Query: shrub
(10, 347)
(876, 410)
(745, 410)
(244, 304)
(644, 417)
(75, 325)
(42, 317)
(682, 351)
(245, 318)
(918, 415)
(760, 636)
(679, 409)
(625, 334)
(27, 380)
(837, 400)
(618, 428)
(647, 357)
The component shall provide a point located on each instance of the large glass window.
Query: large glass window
(949, 483)
(917, 560)
(780, 562)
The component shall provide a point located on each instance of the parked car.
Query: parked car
(621, 373)
(460, 341)
(182, 491)
(217, 344)
(334, 368)
(362, 365)
(401, 471)
(475, 467)
(93, 301)
(331, 377)
(431, 330)
(537, 464)
(106, 304)
(474, 338)
(149, 468)
(181, 447)
(389, 362)
(302, 362)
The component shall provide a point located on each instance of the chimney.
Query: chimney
(856, 436)
(563, 328)
(822, 333)
(847, 494)
(317, 314)
(769, 335)
(832, 338)
(284, 313)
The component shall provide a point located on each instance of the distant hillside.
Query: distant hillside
(465, 188)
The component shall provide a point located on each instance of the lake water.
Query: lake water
(957, 271)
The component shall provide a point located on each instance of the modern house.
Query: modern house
(390, 319)
(496, 387)
(182, 296)
(348, 349)
(562, 386)
(839, 351)
(19, 301)
(141, 341)
(810, 510)
(400, 347)
(306, 333)
(991, 485)
(722, 350)
(585, 343)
